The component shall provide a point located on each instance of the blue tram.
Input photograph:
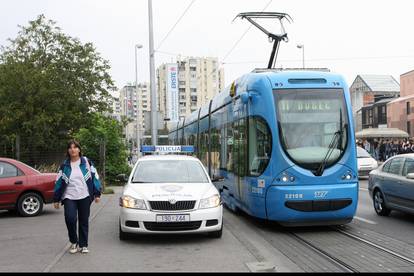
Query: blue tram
(280, 145)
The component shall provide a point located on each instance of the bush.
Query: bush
(48, 168)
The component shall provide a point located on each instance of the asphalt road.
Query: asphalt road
(40, 243)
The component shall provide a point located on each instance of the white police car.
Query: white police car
(170, 194)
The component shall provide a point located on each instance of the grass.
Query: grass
(108, 191)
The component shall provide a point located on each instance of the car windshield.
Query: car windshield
(312, 122)
(361, 153)
(169, 171)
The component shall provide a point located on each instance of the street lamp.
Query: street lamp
(137, 46)
(302, 46)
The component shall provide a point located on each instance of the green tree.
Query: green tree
(49, 82)
(109, 131)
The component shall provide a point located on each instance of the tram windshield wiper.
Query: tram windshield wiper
(336, 140)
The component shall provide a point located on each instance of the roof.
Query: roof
(400, 99)
(381, 133)
(407, 73)
(381, 83)
(166, 157)
(387, 100)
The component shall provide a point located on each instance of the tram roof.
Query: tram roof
(274, 75)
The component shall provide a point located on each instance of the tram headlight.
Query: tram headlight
(287, 178)
(347, 176)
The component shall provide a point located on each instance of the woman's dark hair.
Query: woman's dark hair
(77, 145)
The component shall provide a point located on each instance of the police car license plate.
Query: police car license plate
(173, 218)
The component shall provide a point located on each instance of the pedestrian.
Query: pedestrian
(77, 185)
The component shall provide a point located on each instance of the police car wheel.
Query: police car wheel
(123, 236)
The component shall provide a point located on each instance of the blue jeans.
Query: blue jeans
(74, 209)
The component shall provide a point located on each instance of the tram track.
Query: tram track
(359, 251)
(326, 249)
(335, 261)
(377, 246)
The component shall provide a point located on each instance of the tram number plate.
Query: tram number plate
(173, 218)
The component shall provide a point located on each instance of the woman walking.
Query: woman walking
(77, 185)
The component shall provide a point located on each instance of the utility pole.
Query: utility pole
(154, 112)
(139, 104)
(302, 46)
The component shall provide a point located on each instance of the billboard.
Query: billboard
(172, 91)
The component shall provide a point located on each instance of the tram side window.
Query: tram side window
(204, 141)
(190, 134)
(240, 147)
(215, 140)
(186, 135)
(260, 145)
(230, 145)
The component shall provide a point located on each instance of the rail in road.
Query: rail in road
(348, 248)
(352, 253)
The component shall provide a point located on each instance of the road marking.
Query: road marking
(365, 220)
(364, 189)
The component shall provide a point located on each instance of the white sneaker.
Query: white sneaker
(73, 248)
(84, 250)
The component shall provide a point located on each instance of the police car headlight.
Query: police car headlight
(133, 203)
(210, 202)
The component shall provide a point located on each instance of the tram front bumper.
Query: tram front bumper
(312, 204)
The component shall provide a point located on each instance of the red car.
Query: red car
(23, 188)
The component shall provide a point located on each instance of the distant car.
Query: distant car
(391, 186)
(365, 162)
(23, 188)
(170, 194)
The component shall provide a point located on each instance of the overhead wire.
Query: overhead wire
(235, 44)
(176, 23)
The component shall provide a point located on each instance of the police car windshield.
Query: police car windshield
(169, 171)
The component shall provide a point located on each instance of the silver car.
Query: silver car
(365, 162)
(391, 186)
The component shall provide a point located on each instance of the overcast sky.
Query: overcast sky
(350, 37)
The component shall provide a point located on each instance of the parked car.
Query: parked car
(365, 162)
(23, 188)
(391, 186)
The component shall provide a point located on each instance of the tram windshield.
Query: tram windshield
(313, 125)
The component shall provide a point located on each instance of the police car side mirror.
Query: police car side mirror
(410, 176)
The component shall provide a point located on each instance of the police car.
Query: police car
(170, 194)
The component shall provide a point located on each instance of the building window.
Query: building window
(193, 69)
(408, 108)
(409, 128)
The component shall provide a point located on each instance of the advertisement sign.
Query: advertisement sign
(172, 91)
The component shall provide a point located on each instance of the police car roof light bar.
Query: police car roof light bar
(276, 38)
(167, 149)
